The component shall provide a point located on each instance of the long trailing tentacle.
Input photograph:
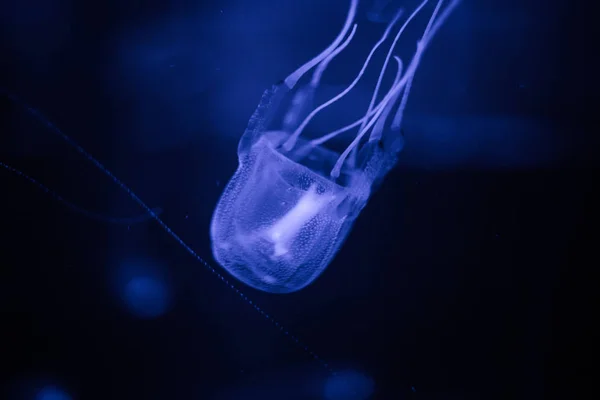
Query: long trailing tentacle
(331, 135)
(383, 69)
(293, 78)
(430, 31)
(298, 131)
(316, 79)
(291, 142)
(421, 47)
(397, 121)
(389, 54)
(379, 125)
(306, 94)
(79, 210)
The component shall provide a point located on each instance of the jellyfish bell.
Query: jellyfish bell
(292, 201)
(280, 219)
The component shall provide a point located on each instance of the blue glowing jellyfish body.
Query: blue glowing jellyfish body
(291, 203)
(279, 222)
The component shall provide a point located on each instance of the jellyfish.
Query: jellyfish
(292, 201)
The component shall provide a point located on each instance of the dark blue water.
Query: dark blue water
(451, 284)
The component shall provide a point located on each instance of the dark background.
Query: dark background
(457, 281)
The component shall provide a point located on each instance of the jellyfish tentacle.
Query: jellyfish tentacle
(335, 172)
(323, 65)
(387, 58)
(421, 47)
(316, 79)
(440, 20)
(397, 121)
(78, 209)
(430, 31)
(384, 68)
(290, 143)
(305, 95)
(378, 128)
(331, 135)
(293, 78)
(373, 110)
